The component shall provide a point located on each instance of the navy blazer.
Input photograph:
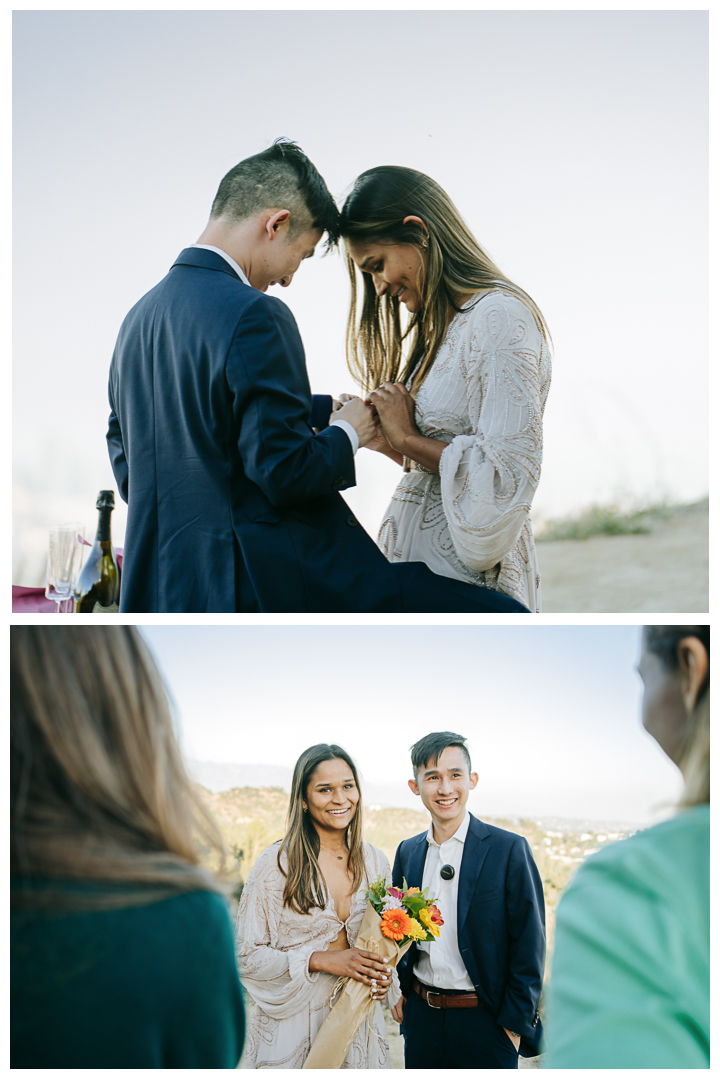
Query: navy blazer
(500, 920)
(233, 502)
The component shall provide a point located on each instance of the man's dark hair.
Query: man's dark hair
(281, 176)
(427, 751)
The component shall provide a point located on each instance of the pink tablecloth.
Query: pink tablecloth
(26, 599)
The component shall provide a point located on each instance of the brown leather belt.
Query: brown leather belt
(446, 999)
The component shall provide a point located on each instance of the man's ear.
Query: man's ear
(412, 784)
(473, 780)
(273, 223)
(693, 670)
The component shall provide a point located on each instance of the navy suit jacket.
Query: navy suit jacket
(500, 920)
(233, 502)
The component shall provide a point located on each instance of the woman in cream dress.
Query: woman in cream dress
(461, 406)
(298, 918)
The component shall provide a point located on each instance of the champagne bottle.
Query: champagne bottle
(98, 585)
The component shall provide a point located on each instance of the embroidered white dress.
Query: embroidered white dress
(484, 396)
(273, 947)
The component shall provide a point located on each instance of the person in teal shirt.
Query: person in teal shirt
(630, 984)
(122, 953)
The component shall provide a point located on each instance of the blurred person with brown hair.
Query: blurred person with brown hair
(121, 944)
(299, 915)
(630, 983)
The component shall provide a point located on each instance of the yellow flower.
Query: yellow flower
(416, 931)
(425, 916)
(411, 891)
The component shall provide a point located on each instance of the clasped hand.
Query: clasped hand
(395, 407)
(362, 417)
(366, 967)
(393, 411)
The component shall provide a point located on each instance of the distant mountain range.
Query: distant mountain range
(218, 777)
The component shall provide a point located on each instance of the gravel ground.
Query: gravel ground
(665, 570)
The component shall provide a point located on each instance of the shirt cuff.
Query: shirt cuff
(349, 431)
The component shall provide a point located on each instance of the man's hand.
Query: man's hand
(397, 1011)
(379, 443)
(362, 418)
(514, 1039)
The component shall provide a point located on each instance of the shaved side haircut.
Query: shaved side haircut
(427, 751)
(281, 177)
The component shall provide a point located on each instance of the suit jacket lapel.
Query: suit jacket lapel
(474, 851)
(416, 861)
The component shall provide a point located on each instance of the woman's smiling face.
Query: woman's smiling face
(332, 795)
(394, 268)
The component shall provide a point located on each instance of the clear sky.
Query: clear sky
(573, 142)
(551, 713)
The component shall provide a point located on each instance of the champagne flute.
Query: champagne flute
(64, 557)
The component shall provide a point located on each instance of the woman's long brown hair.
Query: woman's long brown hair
(378, 348)
(305, 885)
(99, 793)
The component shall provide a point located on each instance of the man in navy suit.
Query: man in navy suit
(233, 500)
(470, 998)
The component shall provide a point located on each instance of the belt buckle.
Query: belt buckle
(427, 998)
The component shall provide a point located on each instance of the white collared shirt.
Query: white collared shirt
(228, 259)
(346, 427)
(439, 962)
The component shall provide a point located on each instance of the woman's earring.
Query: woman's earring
(304, 809)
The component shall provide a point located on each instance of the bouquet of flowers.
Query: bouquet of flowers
(393, 919)
(406, 915)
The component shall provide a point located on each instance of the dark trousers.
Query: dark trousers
(454, 1038)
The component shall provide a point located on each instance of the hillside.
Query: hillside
(252, 818)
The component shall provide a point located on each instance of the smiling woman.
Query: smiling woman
(300, 913)
(459, 388)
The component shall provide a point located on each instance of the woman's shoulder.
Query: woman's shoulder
(668, 862)
(266, 867)
(491, 309)
(203, 915)
(376, 861)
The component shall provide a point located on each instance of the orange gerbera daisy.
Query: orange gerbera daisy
(395, 924)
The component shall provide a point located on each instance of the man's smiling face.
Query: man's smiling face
(444, 787)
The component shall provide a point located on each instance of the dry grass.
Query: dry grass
(606, 521)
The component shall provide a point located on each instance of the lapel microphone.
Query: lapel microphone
(447, 872)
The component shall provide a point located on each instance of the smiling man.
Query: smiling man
(470, 998)
(233, 496)
(233, 502)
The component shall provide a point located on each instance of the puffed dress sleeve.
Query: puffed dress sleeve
(277, 978)
(488, 478)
